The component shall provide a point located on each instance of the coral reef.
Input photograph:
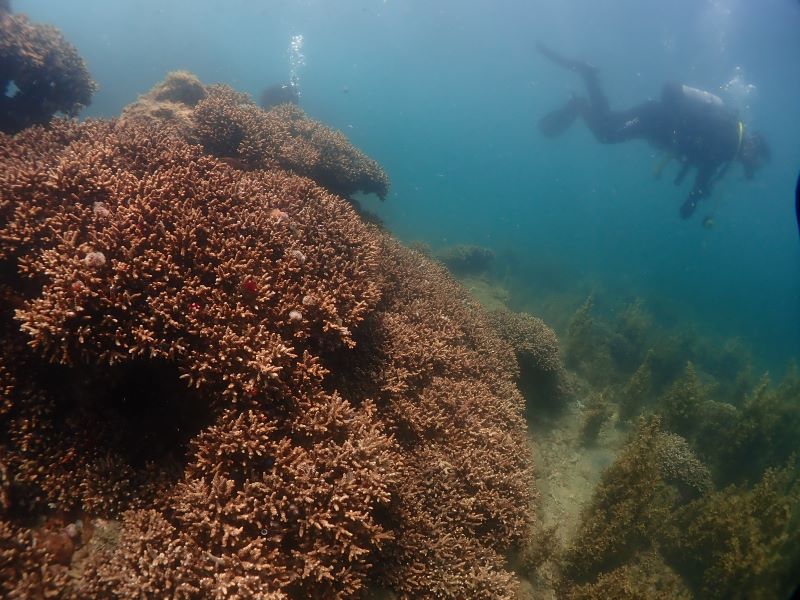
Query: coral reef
(534, 343)
(28, 565)
(243, 389)
(232, 127)
(41, 74)
(430, 357)
(465, 259)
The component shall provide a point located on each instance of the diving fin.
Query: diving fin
(558, 121)
(577, 66)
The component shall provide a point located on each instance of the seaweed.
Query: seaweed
(739, 542)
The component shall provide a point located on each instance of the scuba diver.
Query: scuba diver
(691, 125)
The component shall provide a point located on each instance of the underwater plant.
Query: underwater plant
(595, 414)
(635, 394)
(739, 542)
(645, 578)
(586, 347)
(655, 472)
(681, 405)
(629, 501)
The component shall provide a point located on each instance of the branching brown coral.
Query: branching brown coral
(45, 72)
(259, 515)
(28, 567)
(445, 385)
(272, 397)
(204, 263)
(231, 126)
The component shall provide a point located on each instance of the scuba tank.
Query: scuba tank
(692, 100)
(695, 97)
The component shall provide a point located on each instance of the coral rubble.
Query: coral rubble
(41, 74)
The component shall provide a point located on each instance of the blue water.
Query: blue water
(446, 96)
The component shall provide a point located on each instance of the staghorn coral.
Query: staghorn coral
(198, 258)
(44, 71)
(444, 383)
(231, 126)
(166, 382)
(28, 567)
(201, 271)
(259, 515)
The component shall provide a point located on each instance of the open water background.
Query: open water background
(446, 94)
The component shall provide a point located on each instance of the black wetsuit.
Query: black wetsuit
(701, 136)
(691, 125)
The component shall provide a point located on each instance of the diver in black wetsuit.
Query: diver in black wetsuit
(689, 124)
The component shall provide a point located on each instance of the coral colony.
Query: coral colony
(218, 380)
